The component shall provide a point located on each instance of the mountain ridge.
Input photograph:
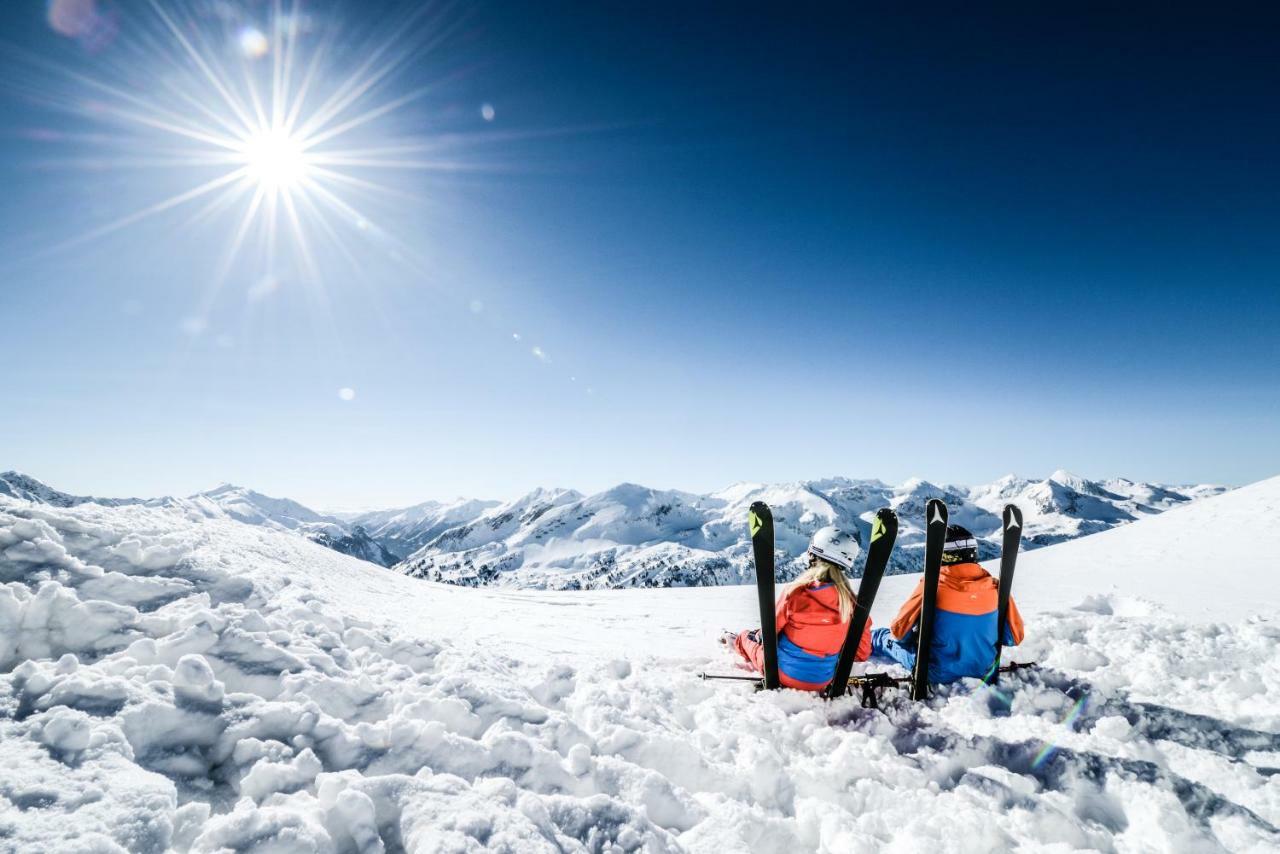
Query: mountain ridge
(631, 535)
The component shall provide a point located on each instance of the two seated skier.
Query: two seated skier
(813, 617)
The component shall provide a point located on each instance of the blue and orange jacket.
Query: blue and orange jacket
(964, 627)
(810, 635)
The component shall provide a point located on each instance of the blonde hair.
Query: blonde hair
(825, 572)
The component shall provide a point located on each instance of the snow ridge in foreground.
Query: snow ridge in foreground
(200, 685)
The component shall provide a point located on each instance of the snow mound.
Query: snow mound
(170, 683)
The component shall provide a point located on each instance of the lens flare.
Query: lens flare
(1050, 748)
(253, 44)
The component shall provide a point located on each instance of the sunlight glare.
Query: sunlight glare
(275, 159)
(285, 119)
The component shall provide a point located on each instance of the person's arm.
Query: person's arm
(1015, 631)
(909, 613)
(864, 645)
(783, 612)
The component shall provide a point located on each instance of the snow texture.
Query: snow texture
(173, 682)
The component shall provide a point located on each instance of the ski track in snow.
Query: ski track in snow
(201, 685)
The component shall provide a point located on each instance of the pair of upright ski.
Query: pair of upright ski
(935, 515)
(884, 532)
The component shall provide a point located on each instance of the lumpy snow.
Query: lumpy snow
(176, 682)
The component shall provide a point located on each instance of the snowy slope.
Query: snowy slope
(227, 501)
(254, 508)
(1218, 558)
(249, 507)
(169, 682)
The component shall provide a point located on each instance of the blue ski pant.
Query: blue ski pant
(888, 648)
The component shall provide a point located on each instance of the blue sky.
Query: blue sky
(750, 243)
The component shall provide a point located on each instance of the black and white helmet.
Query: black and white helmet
(960, 546)
(830, 543)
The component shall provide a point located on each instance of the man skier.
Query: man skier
(812, 617)
(964, 626)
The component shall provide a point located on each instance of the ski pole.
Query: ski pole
(726, 677)
(880, 680)
(887, 680)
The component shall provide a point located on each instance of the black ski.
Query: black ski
(761, 522)
(935, 514)
(884, 530)
(1008, 560)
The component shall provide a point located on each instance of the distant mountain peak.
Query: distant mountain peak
(223, 488)
(919, 484)
(18, 485)
(1067, 478)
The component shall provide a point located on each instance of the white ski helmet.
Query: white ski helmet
(830, 543)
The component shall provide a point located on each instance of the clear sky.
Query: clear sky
(748, 242)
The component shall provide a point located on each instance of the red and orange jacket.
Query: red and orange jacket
(964, 633)
(811, 634)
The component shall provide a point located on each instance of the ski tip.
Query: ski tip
(936, 512)
(1012, 517)
(885, 524)
(758, 516)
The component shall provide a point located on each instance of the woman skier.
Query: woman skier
(964, 624)
(812, 617)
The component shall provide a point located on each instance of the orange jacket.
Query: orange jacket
(810, 617)
(963, 588)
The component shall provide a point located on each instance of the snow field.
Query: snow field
(198, 685)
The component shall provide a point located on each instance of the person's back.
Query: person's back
(964, 627)
(812, 632)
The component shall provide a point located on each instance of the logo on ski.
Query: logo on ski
(877, 529)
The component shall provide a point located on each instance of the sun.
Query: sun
(285, 135)
(275, 159)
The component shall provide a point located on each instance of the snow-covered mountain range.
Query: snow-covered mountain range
(637, 536)
(634, 536)
(402, 532)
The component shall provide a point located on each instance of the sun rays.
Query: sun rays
(286, 132)
(274, 152)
